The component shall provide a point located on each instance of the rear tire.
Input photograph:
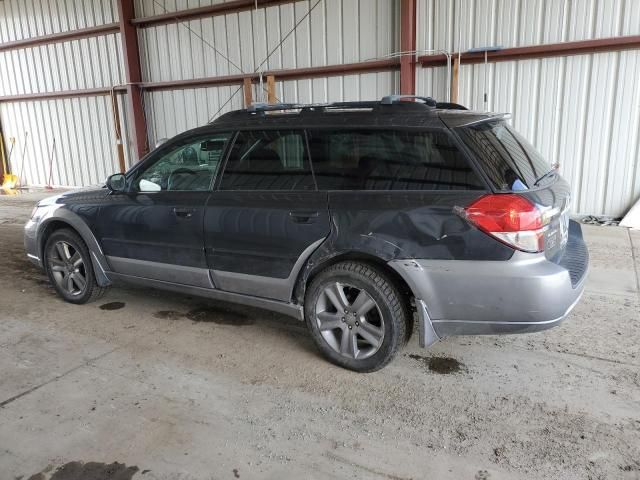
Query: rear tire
(68, 265)
(356, 315)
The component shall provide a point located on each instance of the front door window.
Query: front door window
(186, 167)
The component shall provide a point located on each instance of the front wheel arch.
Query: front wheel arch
(56, 224)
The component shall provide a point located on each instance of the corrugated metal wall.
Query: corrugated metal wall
(171, 112)
(85, 151)
(336, 31)
(582, 111)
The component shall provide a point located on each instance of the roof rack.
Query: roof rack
(269, 107)
(339, 106)
(391, 99)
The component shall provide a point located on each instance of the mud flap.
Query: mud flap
(427, 334)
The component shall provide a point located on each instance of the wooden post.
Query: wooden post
(408, 44)
(271, 89)
(248, 93)
(116, 122)
(454, 79)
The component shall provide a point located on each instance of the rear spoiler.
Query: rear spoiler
(472, 118)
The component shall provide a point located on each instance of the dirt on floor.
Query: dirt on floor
(149, 385)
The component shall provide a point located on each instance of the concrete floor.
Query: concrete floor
(174, 387)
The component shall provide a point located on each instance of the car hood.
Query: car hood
(90, 193)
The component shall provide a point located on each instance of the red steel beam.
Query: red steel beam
(133, 72)
(582, 47)
(233, 6)
(289, 74)
(61, 37)
(408, 44)
(87, 92)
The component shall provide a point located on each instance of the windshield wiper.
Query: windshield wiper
(553, 171)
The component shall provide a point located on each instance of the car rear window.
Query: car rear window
(389, 160)
(507, 158)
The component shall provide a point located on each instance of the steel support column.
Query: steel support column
(133, 72)
(408, 44)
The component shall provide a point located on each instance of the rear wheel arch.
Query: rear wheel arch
(315, 267)
(371, 329)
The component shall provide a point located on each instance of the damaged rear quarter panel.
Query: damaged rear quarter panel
(392, 225)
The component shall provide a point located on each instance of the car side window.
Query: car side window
(189, 166)
(268, 160)
(389, 160)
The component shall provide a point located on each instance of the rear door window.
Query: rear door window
(508, 159)
(389, 160)
(268, 160)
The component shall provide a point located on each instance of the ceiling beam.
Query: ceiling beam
(233, 6)
(581, 47)
(61, 37)
(287, 74)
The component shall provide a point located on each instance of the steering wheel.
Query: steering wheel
(178, 171)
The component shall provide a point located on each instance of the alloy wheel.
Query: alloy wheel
(349, 320)
(67, 267)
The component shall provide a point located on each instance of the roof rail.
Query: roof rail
(267, 107)
(391, 99)
(262, 107)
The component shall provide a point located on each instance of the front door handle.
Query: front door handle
(302, 216)
(184, 212)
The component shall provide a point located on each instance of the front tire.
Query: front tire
(69, 268)
(356, 315)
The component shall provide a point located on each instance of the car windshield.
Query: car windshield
(507, 158)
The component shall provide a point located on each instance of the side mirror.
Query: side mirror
(117, 182)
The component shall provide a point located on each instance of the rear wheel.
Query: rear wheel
(68, 266)
(356, 316)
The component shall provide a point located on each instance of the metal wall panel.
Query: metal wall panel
(83, 128)
(582, 111)
(174, 111)
(22, 19)
(85, 150)
(454, 25)
(336, 31)
(77, 64)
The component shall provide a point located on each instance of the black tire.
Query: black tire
(59, 268)
(390, 315)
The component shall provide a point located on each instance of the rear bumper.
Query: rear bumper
(527, 293)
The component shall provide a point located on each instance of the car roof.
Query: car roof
(383, 113)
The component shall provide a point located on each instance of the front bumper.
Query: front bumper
(527, 293)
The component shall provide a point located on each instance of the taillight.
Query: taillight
(510, 218)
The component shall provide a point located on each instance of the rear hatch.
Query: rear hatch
(512, 165)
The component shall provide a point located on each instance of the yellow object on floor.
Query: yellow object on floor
(9, 180)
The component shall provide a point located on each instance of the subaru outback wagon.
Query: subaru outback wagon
(352, 217)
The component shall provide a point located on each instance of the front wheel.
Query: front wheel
(69, 268)
(356, 315)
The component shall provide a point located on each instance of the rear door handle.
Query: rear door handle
(184, 212)
(302, 216)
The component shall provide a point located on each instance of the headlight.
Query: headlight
(33, 212)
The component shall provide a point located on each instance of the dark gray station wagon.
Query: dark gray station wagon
(349, 216)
